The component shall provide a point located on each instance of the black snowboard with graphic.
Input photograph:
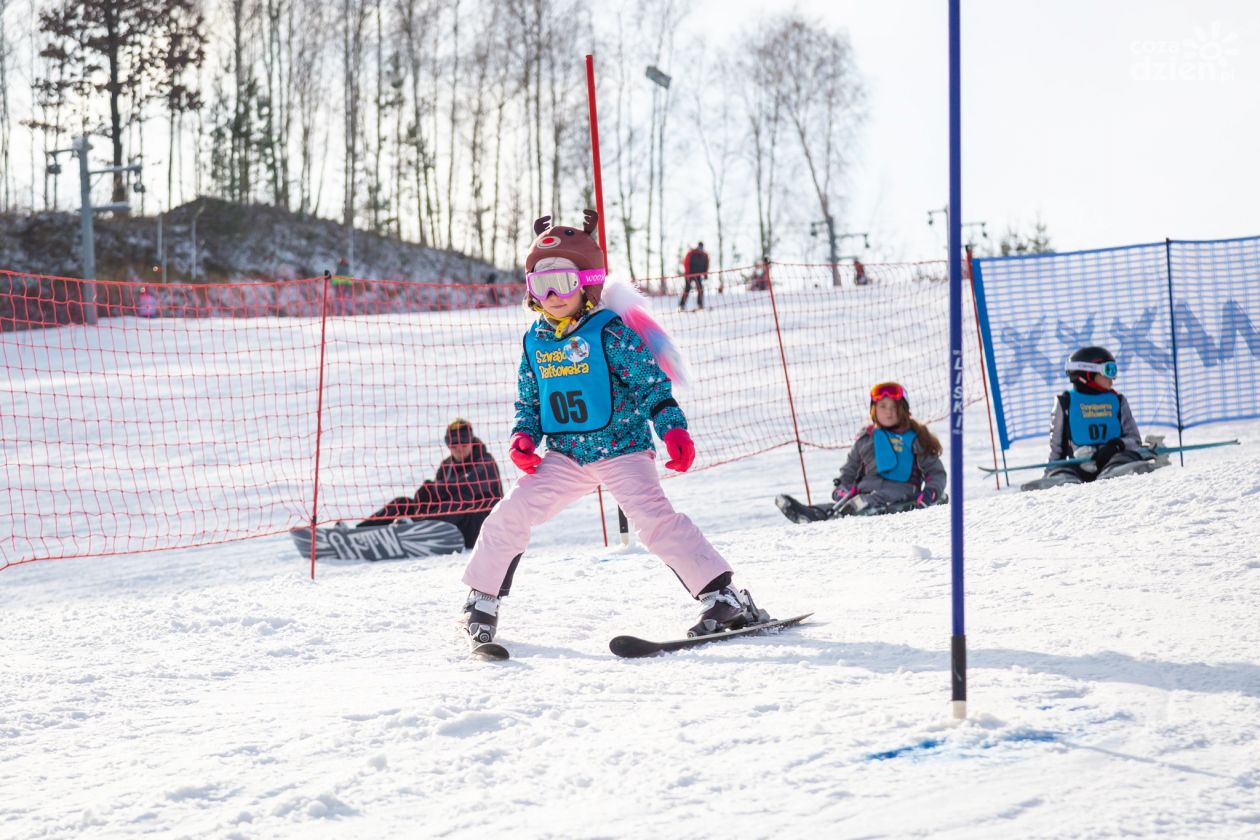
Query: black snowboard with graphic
(395, 541)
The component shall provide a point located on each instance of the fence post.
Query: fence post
(787, 379)
(319, 410)
(1172, 328)
(988, 412)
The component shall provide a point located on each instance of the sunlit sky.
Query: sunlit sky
(1111, 121)
(1114, 121)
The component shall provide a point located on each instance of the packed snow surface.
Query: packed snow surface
(1114, 676)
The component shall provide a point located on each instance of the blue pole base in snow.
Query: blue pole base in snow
(958, 670)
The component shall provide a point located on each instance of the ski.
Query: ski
(490, 650)
(633, 647)
(1145, 450)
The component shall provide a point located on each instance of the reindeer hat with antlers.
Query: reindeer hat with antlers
(573, 244)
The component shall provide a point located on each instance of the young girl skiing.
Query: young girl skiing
(1092, 421)
(590, 386)
(894, 465)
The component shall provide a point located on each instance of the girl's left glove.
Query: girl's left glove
(927, 498)
(682, 452)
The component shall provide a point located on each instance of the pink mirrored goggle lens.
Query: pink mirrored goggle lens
(561, 282)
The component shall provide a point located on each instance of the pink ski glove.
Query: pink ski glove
(842, 493)
(682, 452)
(521, 451)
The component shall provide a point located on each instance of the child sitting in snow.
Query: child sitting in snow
(595, 381)
(894, 465)
(1094, 422)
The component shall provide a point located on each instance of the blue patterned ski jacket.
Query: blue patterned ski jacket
(642, 394)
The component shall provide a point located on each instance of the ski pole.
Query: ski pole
(1146, 450)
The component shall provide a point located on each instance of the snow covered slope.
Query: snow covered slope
(1114, 681)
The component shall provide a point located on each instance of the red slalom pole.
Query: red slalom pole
(599, 209)
(319, 411)
(599, 179)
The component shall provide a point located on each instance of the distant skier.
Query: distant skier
(894, 465)
(594, 406)
(859, 273)
(146, 303)
(1092, 421)
(696, 267)
(466, 486)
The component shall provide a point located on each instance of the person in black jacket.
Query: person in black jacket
(466, 486)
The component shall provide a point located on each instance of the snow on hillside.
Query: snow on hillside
(1114, 677)
(235, 242)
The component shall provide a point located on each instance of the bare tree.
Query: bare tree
(308, 82)
(762, 107)
(397, 101)
(454, 123)
(719, 140)
(353, 21)
(378, 201)
(626, 153)
(278, 57)
(6, 180)
(821, 98)
(59, 79)
(416, 20)
(503, 93)
(658, 20)
(481, 72)
(567, 28)
(121, 44)
(182, 52)
(234, 135)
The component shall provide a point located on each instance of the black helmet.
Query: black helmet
(1087, 361)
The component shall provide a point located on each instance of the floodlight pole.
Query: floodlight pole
(661, 80)
(958, 639)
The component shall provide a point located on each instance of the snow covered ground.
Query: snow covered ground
(1114, 678)
(220, 692)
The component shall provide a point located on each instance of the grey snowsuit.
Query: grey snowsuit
(1061, 447)
(859, 470)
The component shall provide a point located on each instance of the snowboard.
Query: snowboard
(395, 541)
(633, 647)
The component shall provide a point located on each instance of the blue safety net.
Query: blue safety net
(1181, 317)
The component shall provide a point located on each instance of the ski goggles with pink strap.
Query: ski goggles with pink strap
(562, 282)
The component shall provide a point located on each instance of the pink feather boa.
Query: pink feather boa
(632, 306)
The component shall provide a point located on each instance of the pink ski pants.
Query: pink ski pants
(559, 480)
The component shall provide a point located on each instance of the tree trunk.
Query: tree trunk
(111, 22)
(450, 171)
(5, 168)
(494, 204)
(377, 190)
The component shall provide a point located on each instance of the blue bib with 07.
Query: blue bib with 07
(894, 454)
(1093, 418)
(574, 384)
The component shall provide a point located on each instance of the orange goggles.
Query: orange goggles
(887, 389)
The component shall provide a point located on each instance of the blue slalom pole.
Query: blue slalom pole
(958, 642)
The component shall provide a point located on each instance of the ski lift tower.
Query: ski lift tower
(87, 249)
